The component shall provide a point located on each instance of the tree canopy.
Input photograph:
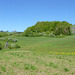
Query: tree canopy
(54, 27)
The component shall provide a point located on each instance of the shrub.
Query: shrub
(10, 46)
(13, 46)
(1, 39)
(3, 34)
(4, 39)
(17, 46)
(12, 40)
(8, 39)
(60, 36)
(0, 46)
(15, 40)
(0, 35)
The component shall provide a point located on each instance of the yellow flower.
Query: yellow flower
(62, 53)
(73, 53)
(68, 53)
(50, 52)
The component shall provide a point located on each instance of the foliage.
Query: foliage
(8, 39)
(12, 40)
(7, 43)
(17, 46)
(13, 46)
(56, 27)
(0, 46)
(60, 36)
(2, 34)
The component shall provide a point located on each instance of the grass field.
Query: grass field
(39, 56)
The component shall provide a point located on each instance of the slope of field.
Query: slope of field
(39, 56)
(45, 44)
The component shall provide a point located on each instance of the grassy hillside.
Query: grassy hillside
(39, 56)
(66, 44)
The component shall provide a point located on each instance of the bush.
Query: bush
(4, 39)
(17, 46)
(0, 46)
(12, 40)
(60, 36)
(1, 39)
(3, 34)
(0, 35)
(8, 39)
(13, 46)
(15, 40)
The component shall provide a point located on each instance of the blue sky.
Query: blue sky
(20, 14)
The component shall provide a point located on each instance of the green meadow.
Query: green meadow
(39, 56)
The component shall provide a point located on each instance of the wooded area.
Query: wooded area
(49, 28)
